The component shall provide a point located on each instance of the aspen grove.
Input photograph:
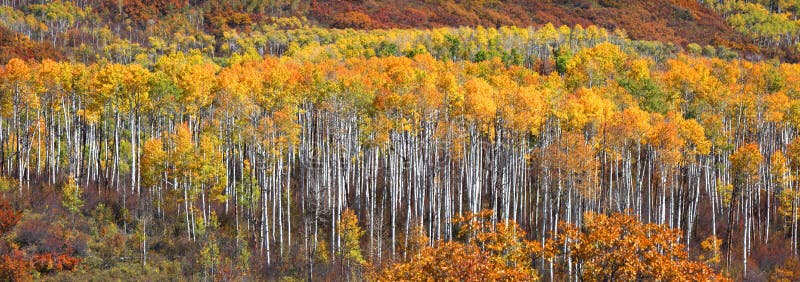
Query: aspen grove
(342, 152)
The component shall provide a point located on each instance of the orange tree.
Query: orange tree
(618, 247)
(484, 252)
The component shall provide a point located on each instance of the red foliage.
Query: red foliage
(222, 16)
(8, 216)
(140, 11)
(48, 263)
(15, 45)
(353, 19)
(678, 21)
(15, 267)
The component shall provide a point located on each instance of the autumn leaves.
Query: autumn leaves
(307, 143)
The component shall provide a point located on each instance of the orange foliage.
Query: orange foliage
(15, 45)
(619, 247)
(491, 253)
(789, 271)
(15, 264)
(49, 263)
(352, 19)
(15, 267)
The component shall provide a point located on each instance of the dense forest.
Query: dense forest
(270, 140)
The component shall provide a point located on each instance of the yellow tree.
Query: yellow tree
(789, 197)
(522, 108)
(351, 233)
(211, 169)
(153, 167)
(593, 66)
(153, 160)
(135, 100)
(746, 161)
(183, 169)
(195, 77)
(586, 109)
(71, 196)
(21, 89)
(480, 102)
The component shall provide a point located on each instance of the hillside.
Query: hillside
(137, 21)
(678, 21)
(15, 45)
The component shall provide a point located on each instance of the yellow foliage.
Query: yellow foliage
(480, 101)
(746, 160)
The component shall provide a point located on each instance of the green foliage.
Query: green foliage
(322, 252)
(71, 196)
(709, 51)
(8, 184)
(244, 255)
(210, 255)
(418, 50)
(513, 58)
(694, 49)
(725, 191)
(756, 21)
(351, 235)
(649, 94)
(387, 49)
(562, 57)
(482, 56)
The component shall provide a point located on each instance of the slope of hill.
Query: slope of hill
(137, 21)
(677, 21)
(14, 45)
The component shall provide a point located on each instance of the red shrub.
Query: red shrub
(67, 262)
(47, 263)
(8, 216)
(44, 263)
(352, 19)
(15, 267)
